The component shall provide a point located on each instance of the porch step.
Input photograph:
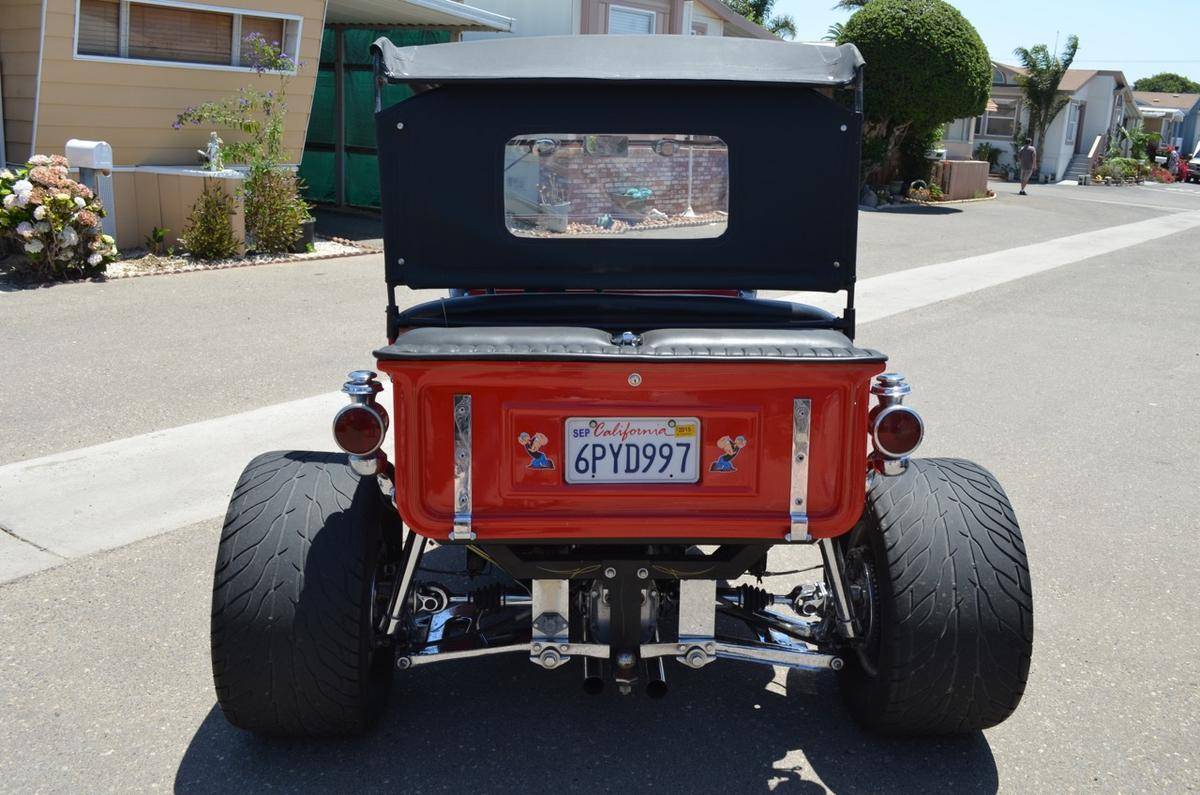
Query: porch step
(1078, 167)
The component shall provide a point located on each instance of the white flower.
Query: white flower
(79, 202)
(22, 190)
(6, 174)
(25, 229)
(34, 246)
(40, 160)
(39, 212)
(42, 226)
(95, 259)
(68, 236)
(107, 239)
(9, 201)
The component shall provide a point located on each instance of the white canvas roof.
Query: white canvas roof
(623, 58)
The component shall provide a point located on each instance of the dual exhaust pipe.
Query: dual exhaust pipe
(653, 671)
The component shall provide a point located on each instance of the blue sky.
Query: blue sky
(1136, 38)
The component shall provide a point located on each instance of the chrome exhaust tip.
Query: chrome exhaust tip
(656, 678)
(593, 680)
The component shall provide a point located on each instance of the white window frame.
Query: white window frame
(981, 121)
(293, 22)
(645, 12)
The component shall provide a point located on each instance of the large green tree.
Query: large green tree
(1044, 72)
(926, 66)
(759, 12)
(1167, 82)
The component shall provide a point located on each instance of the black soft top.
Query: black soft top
(790, 115)
(676, 59)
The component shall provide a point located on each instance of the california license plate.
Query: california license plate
(632, 449)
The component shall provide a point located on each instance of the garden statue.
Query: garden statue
(211, 153)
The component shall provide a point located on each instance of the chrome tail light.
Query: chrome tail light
(896, 429)
(360, 427)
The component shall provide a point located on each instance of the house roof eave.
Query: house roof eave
(443, 14)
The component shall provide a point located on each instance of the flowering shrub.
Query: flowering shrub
(274, 209)
(1160, 174)
(54, 220)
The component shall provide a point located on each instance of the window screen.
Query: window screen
(161, 33)
(623, 20)
(99, 28)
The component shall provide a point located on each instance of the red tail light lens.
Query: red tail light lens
(898, 431)
(359, 429)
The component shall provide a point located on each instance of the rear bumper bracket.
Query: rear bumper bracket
(801, 436)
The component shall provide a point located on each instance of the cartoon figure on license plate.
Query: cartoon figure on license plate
(533, 445)
(731, 448)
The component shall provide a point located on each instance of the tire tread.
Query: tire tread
(957, 603)
(289, 643)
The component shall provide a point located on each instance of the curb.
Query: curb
(246, 262)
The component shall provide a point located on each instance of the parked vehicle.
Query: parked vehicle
(605, 416)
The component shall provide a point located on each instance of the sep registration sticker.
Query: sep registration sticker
(632, 450)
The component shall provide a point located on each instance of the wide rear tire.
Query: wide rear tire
(943, 583)
(293, 647)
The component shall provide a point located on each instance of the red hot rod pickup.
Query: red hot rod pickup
(604, 415)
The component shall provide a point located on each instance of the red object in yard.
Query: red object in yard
(512, 500)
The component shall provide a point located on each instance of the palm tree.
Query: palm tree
(759, 12)
(1044, 72)
(848, 4)
(835, 32)
(782, 26)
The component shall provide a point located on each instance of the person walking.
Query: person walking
(1027, 161)
(1172, 161)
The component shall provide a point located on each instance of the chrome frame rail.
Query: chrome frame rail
(462, 470)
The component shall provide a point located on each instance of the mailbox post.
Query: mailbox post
(94, 161)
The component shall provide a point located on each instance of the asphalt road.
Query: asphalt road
(1076, 386)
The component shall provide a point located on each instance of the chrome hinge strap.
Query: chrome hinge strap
(462, 470)
(801, 436)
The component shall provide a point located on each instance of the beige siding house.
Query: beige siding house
(20, 45)
(120, 71)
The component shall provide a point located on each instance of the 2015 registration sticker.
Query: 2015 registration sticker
(632, 450)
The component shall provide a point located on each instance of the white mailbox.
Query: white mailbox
(89, 154)
(95, 161)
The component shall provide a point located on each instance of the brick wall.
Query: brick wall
(586, 180)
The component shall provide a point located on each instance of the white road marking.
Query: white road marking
(892, 293)
(101, 497)
(1161, 208)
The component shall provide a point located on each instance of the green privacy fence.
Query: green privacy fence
(354, 155)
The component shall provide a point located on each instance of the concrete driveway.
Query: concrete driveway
(1066, 364)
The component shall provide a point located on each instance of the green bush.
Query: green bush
(274, 210)
(988, 153)
(925, 62)
(208, 233)
(914, 150)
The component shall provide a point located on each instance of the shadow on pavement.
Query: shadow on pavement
(500, 724)
(920, 209)
(361, 226)
(506, 726)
